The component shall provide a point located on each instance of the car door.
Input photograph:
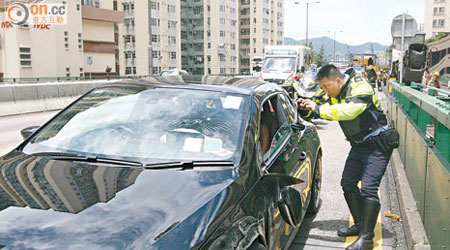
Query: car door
(303, 154)
(284, 156)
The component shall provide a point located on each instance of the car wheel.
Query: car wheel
(314, 203)
(256, 245)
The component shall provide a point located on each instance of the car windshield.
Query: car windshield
(155, 124)
(286, 64)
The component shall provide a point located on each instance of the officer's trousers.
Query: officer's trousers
(365, 163)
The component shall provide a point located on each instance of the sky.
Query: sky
(360, 21)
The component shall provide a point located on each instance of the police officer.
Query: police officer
(352, 102)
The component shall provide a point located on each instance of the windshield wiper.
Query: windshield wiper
(82, 158)
(188, 164)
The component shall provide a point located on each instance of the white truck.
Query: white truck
(283, 62)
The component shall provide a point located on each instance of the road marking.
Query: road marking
(377, 240)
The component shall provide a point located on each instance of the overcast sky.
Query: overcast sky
(360, 20)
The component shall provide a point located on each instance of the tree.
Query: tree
(319, 58)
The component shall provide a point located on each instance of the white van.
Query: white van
(283, 62)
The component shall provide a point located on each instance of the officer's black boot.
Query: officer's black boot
(354, 204)
(369, 214)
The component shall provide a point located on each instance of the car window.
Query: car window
(161, 124)
(288, 108)
(274, 126)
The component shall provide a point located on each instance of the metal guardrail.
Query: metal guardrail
(423, 122)
(430, 90)
(63, 79)
(87, 78)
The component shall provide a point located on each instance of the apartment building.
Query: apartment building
(151, 37)
(261, 24)
(437, 17)
(210, 36)
(86, 45)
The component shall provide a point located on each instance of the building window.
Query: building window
(128, 71)
(173, 55)
(91, 3)
(172, 39)
(171, 8)
(156, 53)
(68, 72)
(155, 22)
(81, 72)
(155, 38)
(222, 8)
(222, 58)
(222, 71)
(155, 5)
(25, 56)
(438, 23)
(171, 24)
(80, 41)
(66, 39)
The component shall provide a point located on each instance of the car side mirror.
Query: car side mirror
(290, 206)
(289, 200)
(26, 132)
(296, 125)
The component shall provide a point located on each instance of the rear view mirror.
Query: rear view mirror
(26, 132)
(290, 205)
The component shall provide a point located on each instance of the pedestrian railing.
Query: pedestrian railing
(87, 78)
(423, 121)
(65, 79)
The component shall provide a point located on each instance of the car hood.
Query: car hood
(48, 204)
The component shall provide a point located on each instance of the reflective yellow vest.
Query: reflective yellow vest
(356, 108)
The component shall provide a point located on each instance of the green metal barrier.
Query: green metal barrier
(423, 122)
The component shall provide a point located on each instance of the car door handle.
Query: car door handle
(302, 156)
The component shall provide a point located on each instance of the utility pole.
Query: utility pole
(334, 44)
(307, 13)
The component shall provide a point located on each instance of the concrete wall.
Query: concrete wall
(27, 98)
(98, 31)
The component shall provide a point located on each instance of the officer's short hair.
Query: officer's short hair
(329, 71)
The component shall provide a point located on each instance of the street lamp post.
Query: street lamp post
(334, 43)
(307, 13)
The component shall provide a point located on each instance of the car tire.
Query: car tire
(315, 202)
(256, 245)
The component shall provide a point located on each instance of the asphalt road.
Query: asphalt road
(10, 127)
(318, 232)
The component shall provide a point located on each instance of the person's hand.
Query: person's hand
(299, 103)
(309, 104)
(305, 104)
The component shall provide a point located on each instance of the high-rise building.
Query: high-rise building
(437, 17)
(85, 45)
(261, 24)
(209, 36)
(151, 37)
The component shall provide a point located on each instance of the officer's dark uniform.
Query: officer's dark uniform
(359, 114)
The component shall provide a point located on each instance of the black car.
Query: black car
(182, 162)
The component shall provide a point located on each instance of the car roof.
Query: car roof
(238, 85)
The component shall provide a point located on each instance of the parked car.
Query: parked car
(164, 164)
(174, 72)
